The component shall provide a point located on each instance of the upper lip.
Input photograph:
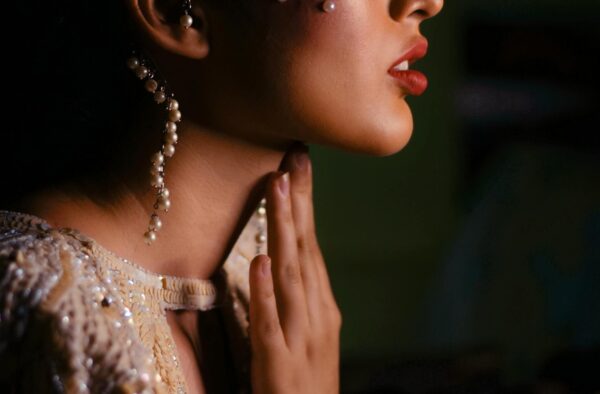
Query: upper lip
(416, 52)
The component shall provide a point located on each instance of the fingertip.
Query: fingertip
(265, 267)
(261, 265)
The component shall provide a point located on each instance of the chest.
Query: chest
(204, 351)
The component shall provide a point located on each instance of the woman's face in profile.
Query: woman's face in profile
(292, 70)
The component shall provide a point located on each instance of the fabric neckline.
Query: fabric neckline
(176, 292)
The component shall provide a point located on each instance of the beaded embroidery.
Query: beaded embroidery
(100, 320)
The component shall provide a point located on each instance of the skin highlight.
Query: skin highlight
(299, 75)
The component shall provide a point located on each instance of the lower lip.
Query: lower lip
(415, 82)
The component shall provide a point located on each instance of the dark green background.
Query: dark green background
(385, 224)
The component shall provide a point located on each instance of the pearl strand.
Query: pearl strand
(143, 70)
(261, 236)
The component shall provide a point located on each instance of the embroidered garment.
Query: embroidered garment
(76, 318)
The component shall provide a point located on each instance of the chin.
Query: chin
(386, 137)
(375, 130)
(374, 141)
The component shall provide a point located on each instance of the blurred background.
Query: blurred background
(470, 261)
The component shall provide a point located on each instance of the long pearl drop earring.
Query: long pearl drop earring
(186, 19)
(143, 69)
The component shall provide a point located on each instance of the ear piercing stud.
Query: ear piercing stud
(327, 5)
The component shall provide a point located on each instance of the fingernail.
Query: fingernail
(284, 184)
(301, 159)
(266, 267)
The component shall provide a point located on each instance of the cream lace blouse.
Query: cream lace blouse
(76, 318)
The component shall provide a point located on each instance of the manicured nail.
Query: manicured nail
(284, 184)
(301, 159)
(266, 267)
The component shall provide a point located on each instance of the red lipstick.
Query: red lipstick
(413, 81)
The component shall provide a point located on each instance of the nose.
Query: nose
(418, 9)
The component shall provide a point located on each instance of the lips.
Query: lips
(412, 81)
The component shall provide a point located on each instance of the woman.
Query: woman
(139, 262)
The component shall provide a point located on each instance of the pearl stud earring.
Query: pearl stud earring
(328, 6)
(144, 69)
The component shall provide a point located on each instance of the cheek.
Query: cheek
(336, 84)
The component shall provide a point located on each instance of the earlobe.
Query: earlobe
(175, 27)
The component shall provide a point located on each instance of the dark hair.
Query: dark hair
(74, 90)
(77, 97)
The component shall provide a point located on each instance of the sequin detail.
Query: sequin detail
(98, 321)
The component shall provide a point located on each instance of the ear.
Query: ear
(158, 22)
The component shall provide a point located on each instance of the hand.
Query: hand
(294, 320)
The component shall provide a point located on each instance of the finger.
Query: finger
(287, 279)
(298, 163)
(265, 331)
(326, 292)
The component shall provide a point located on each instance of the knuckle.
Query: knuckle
(267, 294)
(301, 243)
(270, 328)
(292, 273)
(334, 316)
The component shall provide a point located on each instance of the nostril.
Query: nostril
(421, 13)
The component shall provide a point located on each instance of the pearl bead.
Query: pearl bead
(141, 72)
(149, 236)
(155, 222)
(260, 238)
(158, 159)
(329, 6)
(151, 85)
(171, 127)
(157, 180)
(171, 138)
(173, 104)
(165, 193)
(133, 63)
(262, 211)
(156, 169)
(185, 20)
(160, 97)
(174, 115)
(164, 203)
(169, 150)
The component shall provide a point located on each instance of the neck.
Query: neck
(215, 180)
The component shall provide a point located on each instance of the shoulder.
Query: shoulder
(36, 262)
(31, 267)
(51, 323)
